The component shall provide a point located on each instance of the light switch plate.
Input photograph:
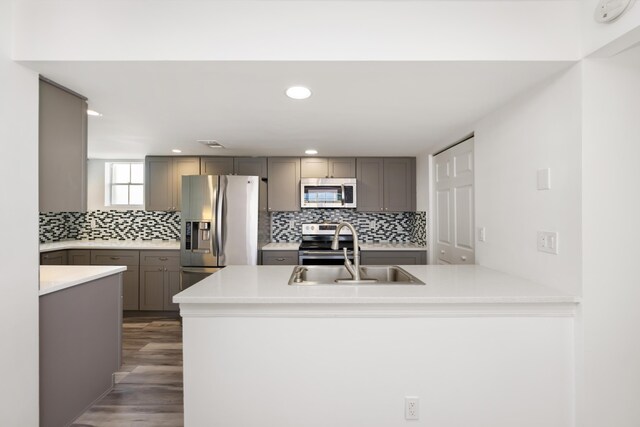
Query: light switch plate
(548, 242)
(544, 179)
(482, 234)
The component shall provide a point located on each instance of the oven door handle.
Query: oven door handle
(325, 253)
(342, 186)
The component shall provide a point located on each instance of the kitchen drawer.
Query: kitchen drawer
(165, 258)
(279, 257)
(115, 257)
(393, 257)
(53, 258)
(79, 257)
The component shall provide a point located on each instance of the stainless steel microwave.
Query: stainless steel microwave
(328, 193)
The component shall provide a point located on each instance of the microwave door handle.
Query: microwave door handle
(342, 187)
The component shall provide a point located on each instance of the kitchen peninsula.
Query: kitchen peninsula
(258, 351)
(80, 318)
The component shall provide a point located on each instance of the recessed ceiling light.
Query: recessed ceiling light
(298, 92)
(175, 150)
(311, 152)
(93, 113)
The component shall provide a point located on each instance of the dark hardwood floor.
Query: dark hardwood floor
(148, 390)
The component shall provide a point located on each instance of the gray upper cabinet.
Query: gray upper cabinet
(254, 166)
(216, 165)
(62, 150)
(283, 184)
(163, 181)
(370, 184)
(399, 184)
(342, 167)
(337, 167)
(313, 167)
(386, 184)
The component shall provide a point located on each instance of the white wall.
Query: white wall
(611, 232)
(293, 371)
(19, 231)
(539, 129)
(422, 182)
(95, 185)
(297, 30)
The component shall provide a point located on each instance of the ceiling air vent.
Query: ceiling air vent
(211, 143)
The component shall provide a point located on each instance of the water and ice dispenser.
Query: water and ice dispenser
(198, 236)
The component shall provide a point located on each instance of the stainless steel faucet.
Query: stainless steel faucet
(354, 270)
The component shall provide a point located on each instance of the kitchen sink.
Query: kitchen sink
(338, 275)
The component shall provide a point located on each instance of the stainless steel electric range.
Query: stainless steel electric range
(315, 248)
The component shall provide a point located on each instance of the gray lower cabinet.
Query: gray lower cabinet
(54, 258)
(62, 150)
(279, 257)
(393, 257)
(163, 181)
(216, 165)
(79, 257)
(159, 279)
(386, 184)
(254, 166)
(130, 284)
(283, 184)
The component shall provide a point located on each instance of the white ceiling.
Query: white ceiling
(363, 108)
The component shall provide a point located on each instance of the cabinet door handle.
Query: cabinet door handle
(163, 258)
(115, 257)
(46, 257)
(442, 251)
(160, 269)
(464, 258)
(279, 259)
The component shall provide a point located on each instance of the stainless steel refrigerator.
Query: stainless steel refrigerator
(219, 224)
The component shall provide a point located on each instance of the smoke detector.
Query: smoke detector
(211, 143)
(610, 10)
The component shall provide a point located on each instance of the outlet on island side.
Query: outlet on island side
(411, 408)
(547, 241)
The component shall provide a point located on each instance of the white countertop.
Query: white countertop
(459, 284)
(57, 277)
(293, 246)
(111, 244)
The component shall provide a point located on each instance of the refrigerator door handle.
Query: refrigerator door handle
(222, 189)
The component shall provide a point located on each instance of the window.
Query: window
(124, 184)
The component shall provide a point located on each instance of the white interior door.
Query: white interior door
(454, 205)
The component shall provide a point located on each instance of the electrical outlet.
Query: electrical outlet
(548, 242)
(412, 407)
(292, 224)
(544, 179)
(372, 224)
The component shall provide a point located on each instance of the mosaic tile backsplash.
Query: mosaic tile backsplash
(109, 225)
(372, 227)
